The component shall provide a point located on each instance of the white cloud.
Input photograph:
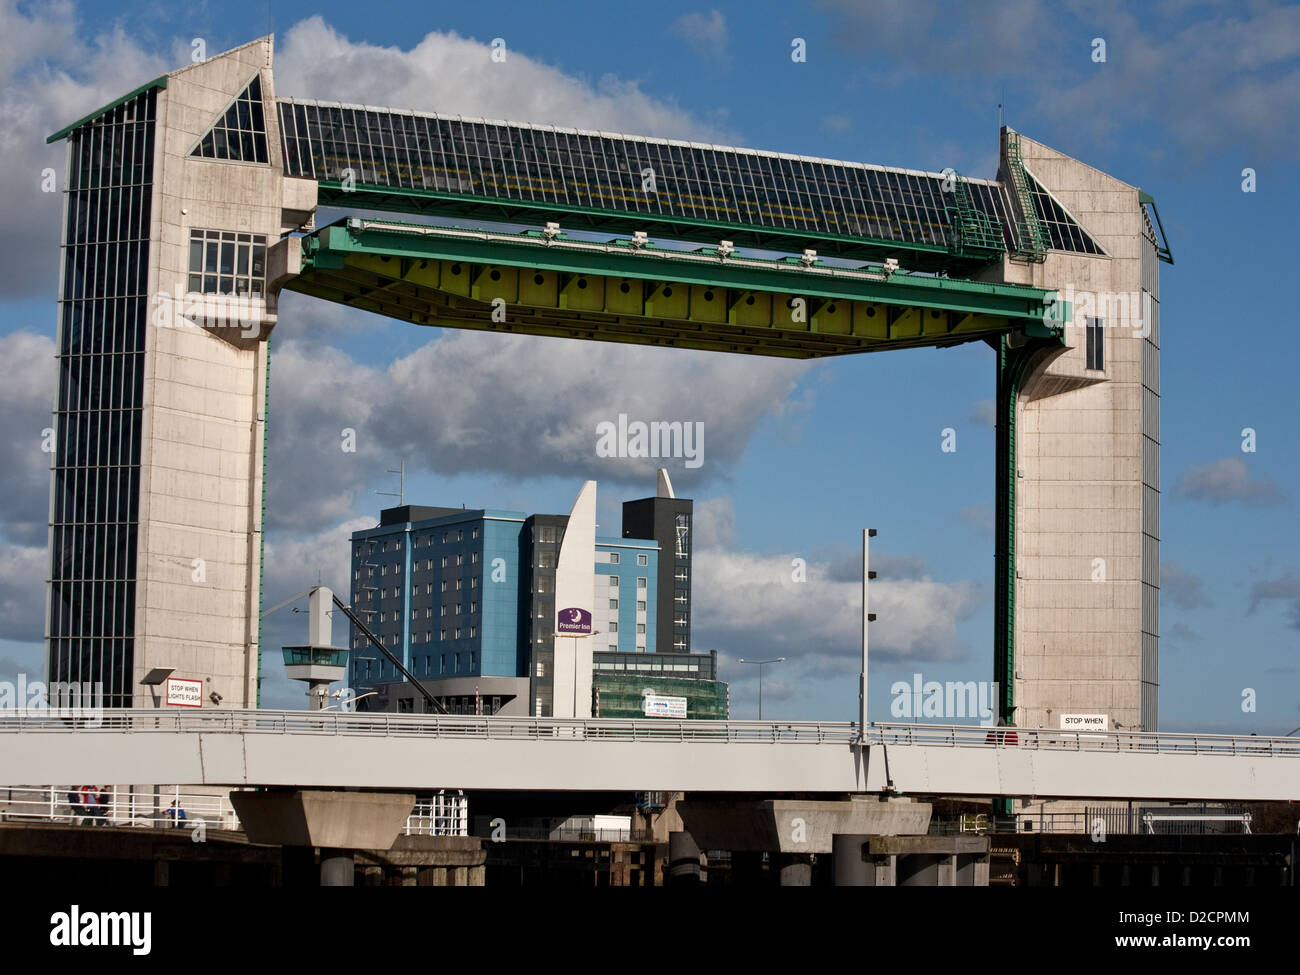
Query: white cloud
(523, 406)
(454, 74)
(750, 605)
(52, 72)
(22, 592)
(26, 399)
(705, 33)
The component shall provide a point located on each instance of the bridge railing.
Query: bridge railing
(148, 720)
(384, 725)
(1086, 741)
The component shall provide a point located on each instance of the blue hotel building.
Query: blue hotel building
(465, 599)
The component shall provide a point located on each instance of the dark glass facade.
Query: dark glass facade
(103, 313)
(1064, 233)
(240, 134)
(542, 166)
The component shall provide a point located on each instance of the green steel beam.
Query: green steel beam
(63, 133)
(927, 257)
(642, 295)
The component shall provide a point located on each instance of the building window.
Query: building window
(546, 560)
(473, 608)
(642, 582)
(613, 648)
(680, 596)
(683, 536)
(472, 632)
(444, 585)
(223, 263)
(1095, 335)
(613, 627)
(442, 661)
(640, 648)
(640, 606)
(460, 558)
(428, 588)
(643, 560)
(458, 581)
(613, 558)
(444, 609)
(444, 561)
(473, 533)
(613, 582)
(473, 583)
(383, 570)
(473, 558)
(381, 617)
(613, 604)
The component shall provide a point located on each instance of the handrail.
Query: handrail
(387, 725)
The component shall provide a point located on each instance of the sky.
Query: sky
(799, 457)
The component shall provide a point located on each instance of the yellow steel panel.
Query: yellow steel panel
(708, 304)
(455, 278)
(979, 323)
(907, 325)
(539, 289)
(624, 296)
(870, 320)
(754, 309)
(934, 322)
(497, 282)
(834, 318)
(583, 292)
(424, 274)
(669, 301)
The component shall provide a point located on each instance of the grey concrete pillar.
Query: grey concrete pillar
(337, 868)
(683, 860)
(796, 869)
(851, 864)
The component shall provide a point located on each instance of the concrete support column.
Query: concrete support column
(683, 860)
(851, 864)
(796, 869)
(337, 868)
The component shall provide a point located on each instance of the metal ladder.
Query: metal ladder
(1031, 236)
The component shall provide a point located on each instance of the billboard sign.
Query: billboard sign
(573, 622)
(658, 706)
(184, 693)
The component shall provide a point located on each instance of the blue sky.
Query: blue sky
(799, 456)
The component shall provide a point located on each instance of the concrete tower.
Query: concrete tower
(157, 489)
(1086, 452)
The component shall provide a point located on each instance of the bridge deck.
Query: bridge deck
(386, 751)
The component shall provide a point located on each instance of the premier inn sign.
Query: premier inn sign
(573, 622)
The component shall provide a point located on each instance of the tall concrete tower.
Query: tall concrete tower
(1082, 453)
(156, 508)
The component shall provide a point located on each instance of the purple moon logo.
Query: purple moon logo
(573, 622)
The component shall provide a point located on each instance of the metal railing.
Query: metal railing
(1048, 739)
(446, 814)
(145, 806)
(124, 805)
(386, 725)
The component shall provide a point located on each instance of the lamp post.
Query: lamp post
(761, 664)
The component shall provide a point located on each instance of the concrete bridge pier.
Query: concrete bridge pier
(683, 860)
(795, 868)
(338, 823)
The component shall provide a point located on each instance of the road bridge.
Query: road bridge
(419, 752)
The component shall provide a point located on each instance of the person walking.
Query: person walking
(89, 804)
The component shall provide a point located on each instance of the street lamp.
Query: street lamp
(761, 664)
(351, 700)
